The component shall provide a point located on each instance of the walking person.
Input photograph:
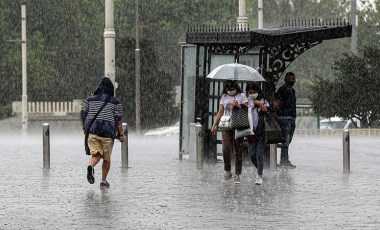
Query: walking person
(285, 107)
(256, 142)
(103, 129)
(232, 98)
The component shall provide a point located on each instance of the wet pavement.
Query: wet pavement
(160, 192)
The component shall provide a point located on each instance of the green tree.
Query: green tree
(65, 50)
(10, 48)
(354, 91)
(157, 95)
(73, 31)
(369, 25)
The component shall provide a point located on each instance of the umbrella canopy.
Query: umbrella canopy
(235, 71)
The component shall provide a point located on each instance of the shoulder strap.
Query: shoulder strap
(101, 108)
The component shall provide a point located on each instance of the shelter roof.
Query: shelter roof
(287, 34)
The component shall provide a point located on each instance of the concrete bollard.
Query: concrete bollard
(46, 146)
(199, 146)
(346, 151)
(124, 147)
(273, 157)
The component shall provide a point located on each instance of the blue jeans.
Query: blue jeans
(288, 125)
(256, 148)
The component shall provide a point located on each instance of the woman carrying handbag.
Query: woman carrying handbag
(256, 142)
(232, 98)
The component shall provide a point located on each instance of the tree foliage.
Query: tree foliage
(354, 90)
(157, 95)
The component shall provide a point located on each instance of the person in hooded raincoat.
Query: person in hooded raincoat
(106, 127)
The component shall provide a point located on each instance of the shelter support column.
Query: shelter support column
(242, 20)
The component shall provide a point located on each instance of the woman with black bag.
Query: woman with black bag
(256, 142)
(232, 98)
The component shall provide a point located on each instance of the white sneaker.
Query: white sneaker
(237, 179)
(259, 179)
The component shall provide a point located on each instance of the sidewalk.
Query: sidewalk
(160, 192)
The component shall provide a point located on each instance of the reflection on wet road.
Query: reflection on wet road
(160, 192)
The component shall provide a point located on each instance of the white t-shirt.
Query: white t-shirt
(226, 101)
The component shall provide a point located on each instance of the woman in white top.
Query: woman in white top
(256, 142)
(232, 98)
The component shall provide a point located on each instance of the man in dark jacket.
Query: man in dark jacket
(285, 107)
(104, 129)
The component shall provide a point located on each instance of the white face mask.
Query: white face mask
(253, 96)
(232, 92)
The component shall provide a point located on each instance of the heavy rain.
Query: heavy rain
(168, 173)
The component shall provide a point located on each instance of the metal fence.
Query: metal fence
(49, 107)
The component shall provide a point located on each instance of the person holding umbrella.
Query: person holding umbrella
(232, 98)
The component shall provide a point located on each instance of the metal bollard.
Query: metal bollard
(273, 157)
(346, 151)
(46, 146)
(199, 143)
(124, 147)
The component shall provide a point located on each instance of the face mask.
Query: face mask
(253, 96)
(290, 83)
(232, 92)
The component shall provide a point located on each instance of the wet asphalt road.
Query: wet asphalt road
(160, 192)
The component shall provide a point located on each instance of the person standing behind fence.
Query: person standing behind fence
(285, 107)
(232, 98)
(106, 127)
(256, 142)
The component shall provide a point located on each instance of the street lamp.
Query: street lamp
(354, 34)
(109, 42)
(24, 102)
(138, 70)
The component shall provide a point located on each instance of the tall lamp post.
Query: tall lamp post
(109, 42)
(354, 35)
(24, 102)
(138, 71)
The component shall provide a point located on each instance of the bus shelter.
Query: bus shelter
(270, 51)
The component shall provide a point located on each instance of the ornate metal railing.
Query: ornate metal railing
(218, 28)
(316, 22)
(285, 23)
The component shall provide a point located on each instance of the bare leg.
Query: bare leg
(105, 169)
(94, 159)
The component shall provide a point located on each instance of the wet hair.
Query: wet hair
(230, 84)
(254, 86)
(288, 74)
(105, 86)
